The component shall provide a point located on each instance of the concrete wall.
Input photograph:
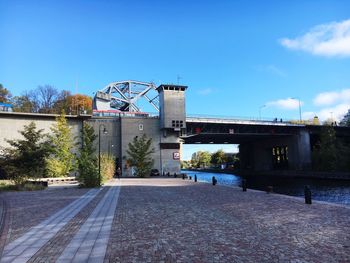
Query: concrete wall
(163, 158)
(121, 131)
(137, 126)
(110, 142)
(12, 123)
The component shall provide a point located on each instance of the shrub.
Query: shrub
(107, 167)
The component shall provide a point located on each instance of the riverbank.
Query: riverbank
(334, 191)
(281, 174)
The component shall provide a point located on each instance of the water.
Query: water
(322, 190)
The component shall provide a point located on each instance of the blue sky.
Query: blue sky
(235, 56)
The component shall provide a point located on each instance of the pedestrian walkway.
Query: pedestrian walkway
(90, 243)
(174, 220)
(23, 248)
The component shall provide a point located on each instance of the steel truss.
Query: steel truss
(123, 96)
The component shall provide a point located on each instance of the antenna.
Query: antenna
(178, 79)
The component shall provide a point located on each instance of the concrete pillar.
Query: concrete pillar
(304, 150)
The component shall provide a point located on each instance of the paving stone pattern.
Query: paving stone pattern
(55, 246)
(23, 248)
(175, 220)
(27, 209)
(89, 244)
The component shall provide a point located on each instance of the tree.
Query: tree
(46, 97)
(346, 120)
(87, 161)
(73, 104)
(24, 103)
(5, 94)
(325, 152)
(218, 157)
(139, 153)
(62, 101)
(201, 159)
(80, 103)
(26, 157)
(61, 160)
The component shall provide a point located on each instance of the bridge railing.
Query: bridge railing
(240, 119)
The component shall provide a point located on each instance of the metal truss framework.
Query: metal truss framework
(123, 96)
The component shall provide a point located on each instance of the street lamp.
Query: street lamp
(261, 107)
(297, 98)
(99, 150)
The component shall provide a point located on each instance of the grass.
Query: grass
(7, 185)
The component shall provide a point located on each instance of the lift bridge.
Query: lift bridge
(124, 96)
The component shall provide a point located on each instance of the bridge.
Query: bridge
(263, 145)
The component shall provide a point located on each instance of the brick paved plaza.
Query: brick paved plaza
(169, 220)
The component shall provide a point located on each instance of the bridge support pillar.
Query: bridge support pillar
(281, 153)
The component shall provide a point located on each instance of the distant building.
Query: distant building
(5, 107)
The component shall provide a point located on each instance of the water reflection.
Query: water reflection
(322, 190)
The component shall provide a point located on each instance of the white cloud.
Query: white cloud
(332, 97)
(286, 104)
(336, 113)
(205, 91)
(332, 39)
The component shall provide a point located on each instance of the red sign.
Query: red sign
(176, 155)
(197, 130)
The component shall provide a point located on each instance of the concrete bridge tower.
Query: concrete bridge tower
(172, 124)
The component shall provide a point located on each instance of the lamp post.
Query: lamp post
(261, 107)
(297, 98)
(99, 150)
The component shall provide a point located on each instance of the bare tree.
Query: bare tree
(47, 96)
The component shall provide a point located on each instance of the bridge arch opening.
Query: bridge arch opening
(189, 152)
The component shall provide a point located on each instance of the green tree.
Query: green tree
(5, 94)
(61, 160)
(201, 159)
(26, 157)
(139, 155)
(87, 161)
(185, 164)
(218, 158)
(346, 120)
(325, 151)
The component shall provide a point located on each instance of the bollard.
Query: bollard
(163, 174)
(183, 176)
(244, 185)
(195, 178)
(168, 174)
(214, 180)
(307, 193)
(190, 177)
(269, 189)
(175, 175)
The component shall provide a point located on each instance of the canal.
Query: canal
(334, 191)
